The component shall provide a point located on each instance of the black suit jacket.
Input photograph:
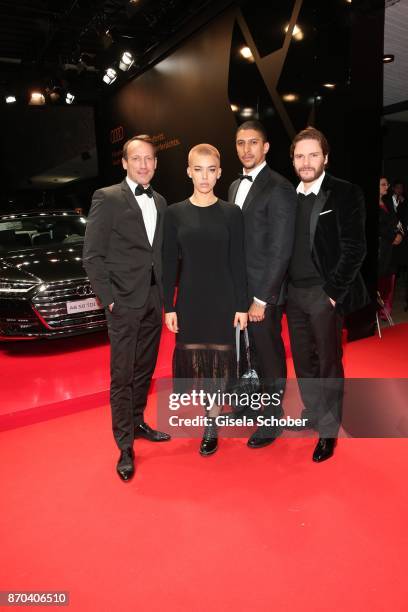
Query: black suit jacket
(337, 242)
(118, 257)
(269, 218)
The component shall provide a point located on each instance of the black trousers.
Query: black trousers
(268, 353)
(315, 330)
(134, 335)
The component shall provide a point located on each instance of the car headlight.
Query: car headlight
(15, 288)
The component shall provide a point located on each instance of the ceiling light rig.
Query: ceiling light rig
(290, 97)
(388, 58)
(246, 53)
(10, 99)
(69, 98)
(297, 32)
(126, 61)
(110, 76)
(36, 99)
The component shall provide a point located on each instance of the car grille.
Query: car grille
(51, 304)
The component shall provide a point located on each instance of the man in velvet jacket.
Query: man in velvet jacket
(324, 283)
(122, 257)
(268, 203)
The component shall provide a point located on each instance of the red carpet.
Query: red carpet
(242, 530)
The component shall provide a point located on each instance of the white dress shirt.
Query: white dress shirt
(315, 188)
(245, 185)
(148, 208)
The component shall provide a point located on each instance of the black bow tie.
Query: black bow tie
(245, 176)
(141, 190)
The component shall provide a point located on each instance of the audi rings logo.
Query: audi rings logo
(84, 290)
(117, 134)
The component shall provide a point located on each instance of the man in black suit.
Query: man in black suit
(268, 202)
(324, 283)
(122, 257)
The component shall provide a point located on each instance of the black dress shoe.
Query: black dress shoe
(209, 443)
(324, 449)
(126, 464)
(145, 431)
(263, 436)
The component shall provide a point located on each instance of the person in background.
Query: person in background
(390, 236)
(400, 204)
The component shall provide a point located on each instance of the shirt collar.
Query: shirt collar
(314, 189)
(255, 171)
(133, 185)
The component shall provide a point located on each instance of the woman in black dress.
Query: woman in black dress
(203, 240)
(390, 236)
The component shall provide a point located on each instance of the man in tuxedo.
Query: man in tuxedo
(324, 283)
(268, 203)
(122, 257)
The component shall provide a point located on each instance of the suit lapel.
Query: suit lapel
(318, 206)
(234, 189)
(257, 186)
(156, 230)
(131, 200)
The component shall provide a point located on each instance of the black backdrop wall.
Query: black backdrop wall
(326, 72)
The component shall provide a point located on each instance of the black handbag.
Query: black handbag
(247, 381)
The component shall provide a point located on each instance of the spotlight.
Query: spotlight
(37, 99)
(110, 76)
(247, 112)
(388, 58)
(10, 99)
(329, 85)
(290, 97)
(69, 98)
(126, 61)
(297, 33)
(234, 108)
(246, 53)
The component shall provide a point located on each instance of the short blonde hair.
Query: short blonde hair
(204, 149)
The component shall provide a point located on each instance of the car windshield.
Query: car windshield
(32, 231)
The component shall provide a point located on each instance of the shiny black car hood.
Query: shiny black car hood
(47, 264)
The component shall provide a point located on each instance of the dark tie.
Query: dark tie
(141, 190)
(245, 176)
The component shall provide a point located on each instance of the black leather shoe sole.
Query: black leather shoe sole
(125, 474)
(205, 452)
(322, 454)
(161, 437)
(322, 457)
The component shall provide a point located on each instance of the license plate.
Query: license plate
(83, 306)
